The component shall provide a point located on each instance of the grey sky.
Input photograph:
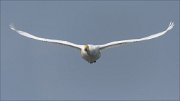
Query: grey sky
(33, 70)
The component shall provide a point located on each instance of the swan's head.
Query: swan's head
(86, 48)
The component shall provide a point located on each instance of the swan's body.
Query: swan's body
(92, 52)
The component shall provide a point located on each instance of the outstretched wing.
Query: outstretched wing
(116, 43)
(66, 43)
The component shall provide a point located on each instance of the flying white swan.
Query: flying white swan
(92, 52)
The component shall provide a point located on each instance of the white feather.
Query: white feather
(117, 43)
(92, 52)
(66, 43)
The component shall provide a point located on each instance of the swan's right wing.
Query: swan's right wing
(66, 43)
(117, 43)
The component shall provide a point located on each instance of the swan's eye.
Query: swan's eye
(86, 49)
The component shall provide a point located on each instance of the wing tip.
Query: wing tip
(171, 25)
(11, 26)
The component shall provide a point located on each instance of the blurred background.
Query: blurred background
(33, 70)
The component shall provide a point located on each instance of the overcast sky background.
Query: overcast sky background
(33, 70)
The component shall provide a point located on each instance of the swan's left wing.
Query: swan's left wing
(117, 43)
(66, 43)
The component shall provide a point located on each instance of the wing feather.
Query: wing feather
(66, 43)
(117, 43)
